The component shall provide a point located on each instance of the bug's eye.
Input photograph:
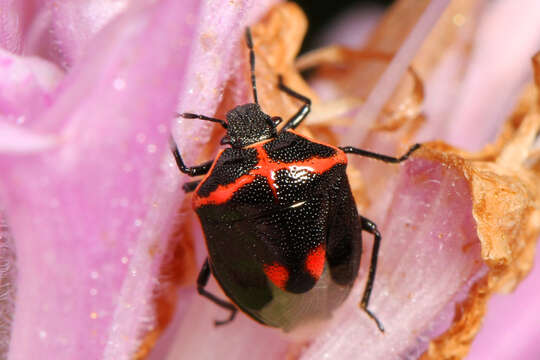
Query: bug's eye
(276, 120)
(226, 140)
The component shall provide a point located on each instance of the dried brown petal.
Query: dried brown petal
(506, 209)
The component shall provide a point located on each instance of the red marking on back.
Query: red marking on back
(267, 167)
(223, 193)
(315, 261)
(278, 274)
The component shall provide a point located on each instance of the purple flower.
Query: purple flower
(99, 249)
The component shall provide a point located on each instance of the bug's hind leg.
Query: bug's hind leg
(301, 114)
(202, 281)
(370, 227)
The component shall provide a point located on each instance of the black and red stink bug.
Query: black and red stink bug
(283, 234)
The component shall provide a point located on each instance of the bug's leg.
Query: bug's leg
(193, 170)
(190, 186)
(202, 280)
(370, 227)
(301, 114)
(385, 158)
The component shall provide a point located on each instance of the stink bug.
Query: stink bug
(283, 234)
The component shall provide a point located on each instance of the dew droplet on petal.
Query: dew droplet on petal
(119, 84)
(151, 148)
(141, 138)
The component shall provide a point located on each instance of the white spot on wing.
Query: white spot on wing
(298, 204)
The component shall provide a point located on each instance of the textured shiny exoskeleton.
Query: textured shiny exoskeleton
(283, 234)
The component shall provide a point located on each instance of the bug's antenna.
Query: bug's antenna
(203, 117)
(252, 63)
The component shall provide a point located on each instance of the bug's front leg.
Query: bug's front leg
(370, 227)
(202, 281)
(385, 158)
(193, 170)
(301, 114)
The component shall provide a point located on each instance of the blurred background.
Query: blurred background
(324, 13)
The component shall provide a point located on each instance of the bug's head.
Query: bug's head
(248, 124)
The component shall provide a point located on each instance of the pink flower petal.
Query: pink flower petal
(14, 139)
(198, 338)
(510, 329)
(80, 214)
(26, 81)
(74, 24)
(507, 38)
(59, 31)
(14, 21)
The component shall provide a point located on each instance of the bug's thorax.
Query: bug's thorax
(288, 153)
